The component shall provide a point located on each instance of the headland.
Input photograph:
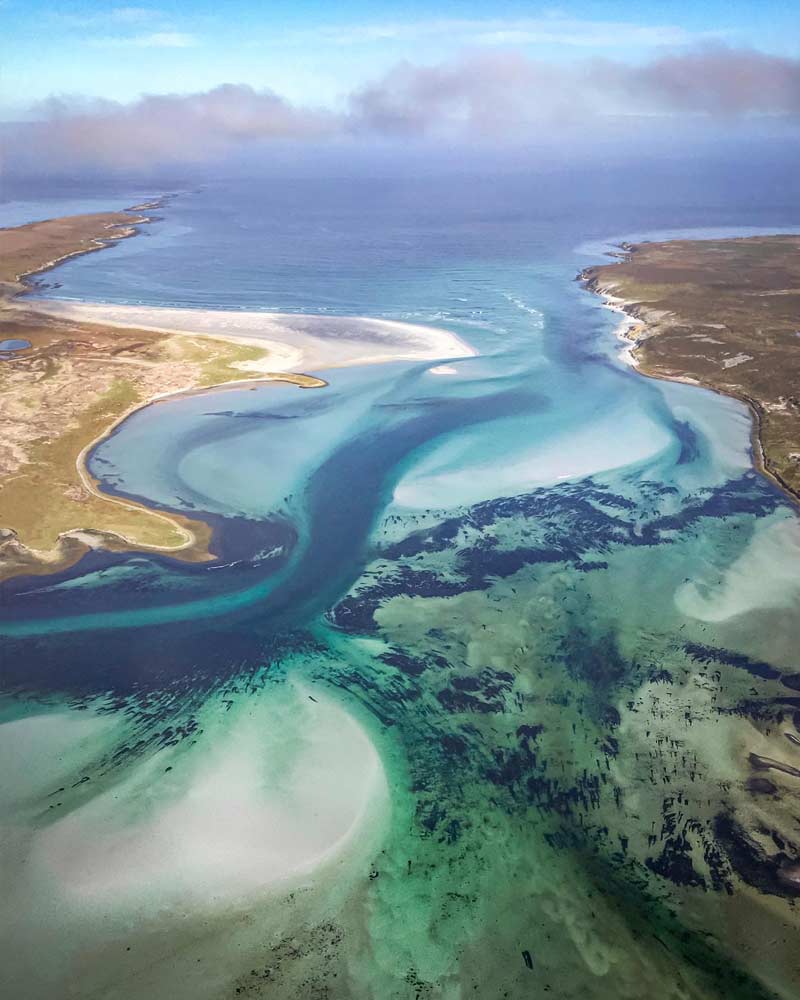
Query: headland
(724, 314)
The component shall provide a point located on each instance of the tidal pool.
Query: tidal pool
(10, 347)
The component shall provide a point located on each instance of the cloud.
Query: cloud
(125, 27)
(160, 129)
(494, 93)
(488, 97)
(555, 29)
(483, 94)
(153, 40)
(131, 15)
(711, 81)
(115, 17)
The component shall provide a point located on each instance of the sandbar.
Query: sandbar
(283, 792)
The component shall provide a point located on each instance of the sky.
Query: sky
(244, 71)
(315, 52)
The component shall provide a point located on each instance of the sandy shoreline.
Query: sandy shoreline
(624, 329)
(273, 346)
(295, 341)
(630, 331)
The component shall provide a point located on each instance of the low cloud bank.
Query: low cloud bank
(486, 97)
(716, 81)
(159, 129)
(492, 93)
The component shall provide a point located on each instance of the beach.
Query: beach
(307, 343)
(92, 365)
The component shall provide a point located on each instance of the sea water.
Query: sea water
(524, 592)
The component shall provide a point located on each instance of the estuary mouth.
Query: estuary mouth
(437, 654)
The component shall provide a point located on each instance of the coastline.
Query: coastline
(296, 341)
(116, 232)
(92, 484)
(635, 327)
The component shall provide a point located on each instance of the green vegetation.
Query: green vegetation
(46, 496)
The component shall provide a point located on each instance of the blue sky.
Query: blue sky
(314, 52)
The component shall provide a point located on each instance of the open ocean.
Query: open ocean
(464, 707)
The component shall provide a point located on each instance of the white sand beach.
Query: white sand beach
(295, 342)
(628, 329)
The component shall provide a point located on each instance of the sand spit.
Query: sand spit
(295, 342)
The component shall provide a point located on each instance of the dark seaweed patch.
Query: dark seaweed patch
(711, 654)
(749, 859)
(408, 664)
(560, 525)
(675, 863)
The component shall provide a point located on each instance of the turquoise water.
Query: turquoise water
(551, 596)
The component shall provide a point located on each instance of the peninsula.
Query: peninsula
(70, 373)
(724, 314)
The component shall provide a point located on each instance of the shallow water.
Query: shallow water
(549, 597)
(14, 345)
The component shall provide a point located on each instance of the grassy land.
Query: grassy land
(216, 358)
(46, 497)
(727, 314)
(69, 389)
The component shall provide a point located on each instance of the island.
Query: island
(72, 372)
(725, 314)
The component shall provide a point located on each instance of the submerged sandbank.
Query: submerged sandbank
(284, 791)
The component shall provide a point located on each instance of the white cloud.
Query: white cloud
(489, 98)
(153, 40)
(133, 14)
(115, 16)
(554, 29)
(126, 27)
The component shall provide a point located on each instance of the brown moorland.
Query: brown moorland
(725, 314)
